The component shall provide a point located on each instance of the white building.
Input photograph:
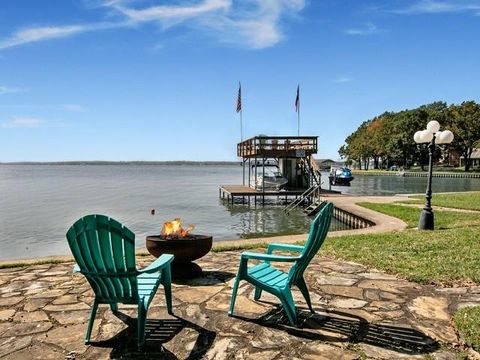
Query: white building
(475, 159)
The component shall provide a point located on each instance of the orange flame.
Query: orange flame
(174, 230)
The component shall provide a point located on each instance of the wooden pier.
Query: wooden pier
(232, 192)
(247, 194)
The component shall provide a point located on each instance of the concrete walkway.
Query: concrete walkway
(361, 313)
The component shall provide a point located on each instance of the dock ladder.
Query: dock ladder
(311, 196)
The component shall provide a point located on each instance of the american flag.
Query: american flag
(239, 98)
(297, 99)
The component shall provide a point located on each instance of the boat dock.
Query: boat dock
(232, 192)
(247, 194)
(292, 156)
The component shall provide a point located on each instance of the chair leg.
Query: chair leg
(289, 306)
(234, 294)
(93, 312)
(304, 290)
(141, 323)
(258, 293)
(167, 285)
(114, 307)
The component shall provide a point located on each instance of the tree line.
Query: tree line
(387, 139)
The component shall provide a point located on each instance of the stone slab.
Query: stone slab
(34, 316)
(22, 329)
(346, 291)
(13, 344)
(6, 314)
(434, 308)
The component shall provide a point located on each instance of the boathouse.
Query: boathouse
(292, 154)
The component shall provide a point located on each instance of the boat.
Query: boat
(268, 176)
(340, 176)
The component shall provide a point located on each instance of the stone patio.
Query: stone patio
(361, 313)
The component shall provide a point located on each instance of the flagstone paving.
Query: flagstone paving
(360, 313)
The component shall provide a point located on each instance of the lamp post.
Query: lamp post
(432, 135)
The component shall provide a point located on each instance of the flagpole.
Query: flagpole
(240, 109)
(298, 110)
(298, 119)
(241, 125)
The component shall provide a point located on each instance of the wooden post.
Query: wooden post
(263, 181)
(243, 170)
(249, 172)
(255, 184)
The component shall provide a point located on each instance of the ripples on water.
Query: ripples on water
(38, 203)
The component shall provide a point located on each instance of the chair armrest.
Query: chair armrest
(268, 257)
(158, 264)
(76, 268)
(284, 247)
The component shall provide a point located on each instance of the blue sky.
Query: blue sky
(158, 80)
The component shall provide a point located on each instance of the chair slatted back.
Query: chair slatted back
(316, 237)
(105, 252)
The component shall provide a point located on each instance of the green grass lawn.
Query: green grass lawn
(447, 256)
(466, 200)
(443, 257)
(467, 322)
(443, 219)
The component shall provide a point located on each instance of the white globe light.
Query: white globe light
(446, 137)
(426, 136)
(433, 126)
(417, 137)
(438, 138)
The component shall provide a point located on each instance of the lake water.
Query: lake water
(38, 203)
(391, 185)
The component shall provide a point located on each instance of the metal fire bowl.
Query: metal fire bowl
(185, 250)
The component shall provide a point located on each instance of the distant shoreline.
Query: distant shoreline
(198, 163)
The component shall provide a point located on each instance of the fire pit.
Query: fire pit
(184, 246)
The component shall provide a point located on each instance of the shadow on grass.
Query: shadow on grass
(338, 326)
(158, 332)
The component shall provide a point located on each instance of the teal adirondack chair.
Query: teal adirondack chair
(105, 254)
(266, 277)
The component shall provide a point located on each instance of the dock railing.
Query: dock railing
(268, 146)
(311, 192)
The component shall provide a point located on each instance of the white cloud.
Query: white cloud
(34, 34)
(342, 79)
(22, 122)
(252, 23)
(258, 26)
(163, 12)
(366, 29)
(441, 6)
(42, 33)
(9, 90)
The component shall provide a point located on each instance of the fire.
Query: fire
(174, 230)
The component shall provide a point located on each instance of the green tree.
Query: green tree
(389, 136)
(464, 122)
(377, 137)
